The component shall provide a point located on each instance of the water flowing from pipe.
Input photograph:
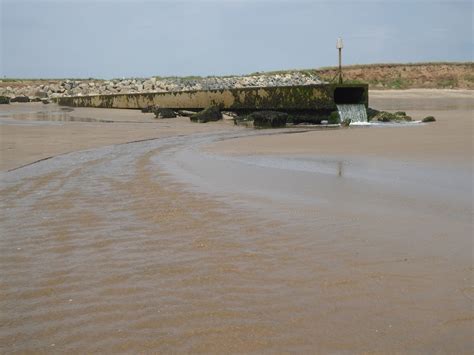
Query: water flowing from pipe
(353, 112)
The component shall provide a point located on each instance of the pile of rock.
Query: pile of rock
(399, 116)
(52, 89)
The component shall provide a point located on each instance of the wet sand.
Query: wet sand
(208, 240)
(449, 139)
(35, 131)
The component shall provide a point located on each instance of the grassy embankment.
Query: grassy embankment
(442, 75)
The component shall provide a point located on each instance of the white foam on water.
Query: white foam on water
(387, 124)
(353, 112)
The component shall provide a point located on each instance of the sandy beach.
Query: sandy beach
(139, 235)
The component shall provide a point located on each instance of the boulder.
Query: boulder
(57, 88)
(41, 94)
(163, 112)
(4, 100)
(20, 99)
(269, 119)
(429, 119)
(384, 116)
(148, 86)
(210, 114)
(371, 113)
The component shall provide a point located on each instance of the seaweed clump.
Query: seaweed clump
(371, 113)
(384, 116)
(163, 112)
(269, 119)
(263, 119)
(20, 99)
(4, 100)
(334, 118)
(210, 114)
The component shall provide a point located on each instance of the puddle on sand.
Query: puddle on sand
(59, 116)
(53, 113)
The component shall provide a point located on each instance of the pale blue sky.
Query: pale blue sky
(106, 38)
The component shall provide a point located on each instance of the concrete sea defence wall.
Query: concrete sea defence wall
(285, 98)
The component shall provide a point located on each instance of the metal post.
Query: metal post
(339, 46)
(340, 65)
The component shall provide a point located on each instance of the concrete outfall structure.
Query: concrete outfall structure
(304, 98)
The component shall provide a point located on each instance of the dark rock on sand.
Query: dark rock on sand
(429, 119)
(384, 116)
(371, 113)
(4, 100)
(210, 114)
(164, 112)
(20, 99)
(269, 119)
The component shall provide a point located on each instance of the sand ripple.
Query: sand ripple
(106, 251)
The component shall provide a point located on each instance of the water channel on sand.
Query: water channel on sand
(180, 245)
